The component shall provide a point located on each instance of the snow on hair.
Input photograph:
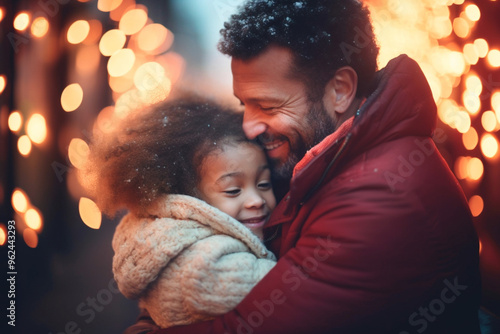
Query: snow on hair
(156, 151)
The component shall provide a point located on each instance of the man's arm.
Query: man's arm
(143, 325)
(367, 261)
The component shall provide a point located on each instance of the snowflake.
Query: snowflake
(299, 4)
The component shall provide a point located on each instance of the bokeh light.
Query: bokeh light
(30, 238)
(33, 219)
(472, 12)
(475, 169)
(78, 152)
(3, 233)
(36, 128)
(470, 53)
(149, 76)
(133, 21)
(489, 121)
(121, 84)
(155, 39)
(24, 145)
(78, 31)
(15, 121)
(128, 102)
(108, 5)
(2, 13)
(22, 21)
(71, 97)
(121, 62)
(39, 27)
(489, 145)
(495, 104)
(493, 58)
(471, 102)
(90, 213)
(104, 121)
(3, 83)
(461, 167)
(461, 27)
(112, 41)
(117, 13)
(19, 200)
(482, 47)
(473, 84)
(470, 139)
(476, 205)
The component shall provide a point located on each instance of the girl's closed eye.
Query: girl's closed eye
(264, 185)
(232, 191)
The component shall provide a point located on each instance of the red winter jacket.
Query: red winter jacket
(375, 235)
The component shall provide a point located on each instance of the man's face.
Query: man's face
(278, 111)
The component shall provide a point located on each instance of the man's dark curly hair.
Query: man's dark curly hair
(323, 35)
(157, 151)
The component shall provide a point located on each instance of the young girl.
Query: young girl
(195, 189)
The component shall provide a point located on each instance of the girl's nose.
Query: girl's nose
(255, 201)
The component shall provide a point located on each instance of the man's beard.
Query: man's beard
(317, 125)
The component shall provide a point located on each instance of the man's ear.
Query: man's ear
(340, 91)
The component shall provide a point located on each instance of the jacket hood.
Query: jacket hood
(401, 105)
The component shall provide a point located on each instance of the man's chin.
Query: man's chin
(283, 171)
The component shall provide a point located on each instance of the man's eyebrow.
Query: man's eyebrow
(260, 99)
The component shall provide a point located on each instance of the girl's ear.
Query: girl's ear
(340, 91)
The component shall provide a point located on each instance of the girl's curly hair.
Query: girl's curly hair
(157, 151)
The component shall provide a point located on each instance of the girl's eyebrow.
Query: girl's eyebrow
(238, 174)
(227, 176)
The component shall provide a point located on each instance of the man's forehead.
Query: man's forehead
(274, 59)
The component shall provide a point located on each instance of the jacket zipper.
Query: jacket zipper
(334, 159)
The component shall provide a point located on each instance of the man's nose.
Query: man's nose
(252, 124)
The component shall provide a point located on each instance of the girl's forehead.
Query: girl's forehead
(245, 151)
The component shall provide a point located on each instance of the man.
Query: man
(374, 234)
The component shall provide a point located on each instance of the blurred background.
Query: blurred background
(68, 66)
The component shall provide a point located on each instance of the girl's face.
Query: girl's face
(237, 181)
